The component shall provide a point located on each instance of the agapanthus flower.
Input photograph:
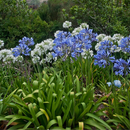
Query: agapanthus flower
(18, 59)
(68, 45)
(1, 43)
(84, 25)
(87, 53)
(21, 49)
(115, 40)
(103, 58)
(121, 67)
(125, 44)
(109, 84)
(76, 31)
(36, 59)
(117, 83)
(43, 51)
(67, 24)
(9, 59)
(27, 41)
(4, 53)
(100, 37)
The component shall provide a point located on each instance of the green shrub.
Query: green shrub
(101, 15)
(17, 21)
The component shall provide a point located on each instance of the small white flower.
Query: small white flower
(1, 43)
(107, 38)
(100, 37)
(76, 31)
(84, 25)
(18, 59)
(8, 59)
(87, 53)
(4, 53)
(57, 32)
(67, 24)
(97, 46)
(36, 59)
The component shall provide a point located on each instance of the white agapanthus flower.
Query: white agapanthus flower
(1, 43)
(36, 59)
(18, 59)
(117, 37)
(4, 53)
(100, 37)
(57, 32)
(67, 24)
(84, 25)
(107, 38)
(36, 52)
(42, 52)
(87, 53)
(97, 46)
(76, 31)
(9, 59)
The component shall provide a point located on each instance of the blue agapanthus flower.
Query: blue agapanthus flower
(27, 41)
(103, 58)
(121, 67)
(125, 44)
(68, 45)
(117, 83)
(23, 47)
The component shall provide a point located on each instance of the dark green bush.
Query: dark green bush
(17, 21)
(102, 15)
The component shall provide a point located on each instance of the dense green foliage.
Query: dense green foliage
(17, 21)
(104, 16)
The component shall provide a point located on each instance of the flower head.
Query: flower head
(27, 41)
(67, 24)
(1, 43)
(109, 84)
(117, 83)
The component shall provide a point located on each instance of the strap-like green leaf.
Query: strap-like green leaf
(85, 111)
(51, 123)
(100, 120)
(124, 120)
(47, 117)
(81, 125)
(59, 121)
(94, 123)
(67, 111)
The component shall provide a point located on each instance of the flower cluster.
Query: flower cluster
(121, 67)
(67, 44)
(116, 83)
(67, 24)
(23, 47)
(42, 52)
(6, 56)
(78, 29)
(125, 44)
(1, 43)
(104, 56)
(115, 40)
